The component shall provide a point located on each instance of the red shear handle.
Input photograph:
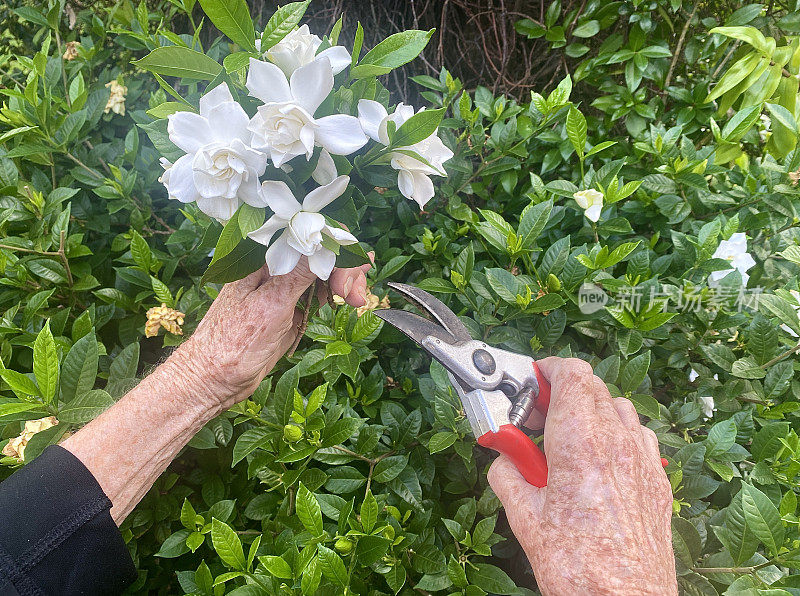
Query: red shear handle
(523, 453)
(543, 399)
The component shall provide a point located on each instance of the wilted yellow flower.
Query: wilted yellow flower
(16, 446)
(163, 316)
(794, 177)
(373, 302)
(116, 101)
(72, 50)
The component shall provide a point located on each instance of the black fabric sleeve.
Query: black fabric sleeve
(56, 532)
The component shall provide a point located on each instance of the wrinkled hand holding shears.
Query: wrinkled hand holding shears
(498, 389)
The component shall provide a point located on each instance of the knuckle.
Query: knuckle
(578, 366)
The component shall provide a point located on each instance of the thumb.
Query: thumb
(523, 502)
(292, 286)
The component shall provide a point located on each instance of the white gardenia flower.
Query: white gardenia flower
(304, 226)
(413, 178)
(299, 48)
(735, 251)
(220, 169)
(707, 404)
(591, 201)
(285, 126)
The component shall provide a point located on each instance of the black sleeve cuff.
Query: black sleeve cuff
(56, 531)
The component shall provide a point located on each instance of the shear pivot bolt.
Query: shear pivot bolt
(483, 361)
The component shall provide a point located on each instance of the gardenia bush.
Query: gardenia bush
(640, 213)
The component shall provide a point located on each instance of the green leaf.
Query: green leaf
(686, 541)
(177, 61)
(746, 368)
(369, 512)
(394, 51)
(773, 305)
(281, 23)
(308, 510)
(441, 441)
(247, 257)
(86, 406)
(763, 518)
(721, 437)
(741, 122)
(17, 408)
(332, 565)
(277, 566)
(20, 384)
(576, 130)
(634, 372)
(390, 468)
(417, 128)
(232, 17)
(490, 578)
(140, 251)
(370, 549)
(782, 115)
(249, 441)
(249, 218)
(45, 363)
(341, 430)
(532, 222)
(749, 35)
(227, 545)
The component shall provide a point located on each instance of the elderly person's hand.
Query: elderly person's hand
(247, 329)
(602, 523)
(251, 324)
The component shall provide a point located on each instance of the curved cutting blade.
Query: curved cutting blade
(436, 308)
(414, 326)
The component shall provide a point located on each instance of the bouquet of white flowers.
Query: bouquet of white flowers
(288, 136)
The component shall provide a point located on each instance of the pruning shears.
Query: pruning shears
(498, 389)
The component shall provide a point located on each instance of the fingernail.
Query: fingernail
(348, 285)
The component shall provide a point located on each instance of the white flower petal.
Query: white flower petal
(341, 236)
(264, 234)
(325, 172)
(218, 208)
(228, 121)
(423, 188)
(281, 258)
(267, 82)
(321, 263)
(340, 134)
(180, 184)
(370, 115)
(311, 84)
(189, 131)
(218, 95)
(250, 192)
(405, 183)
(280, 199)
(325, 195)
(305, 232)
(593, 213)
(338, 56)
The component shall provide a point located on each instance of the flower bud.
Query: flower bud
(292, 433)
(553, 283)
(344, 546)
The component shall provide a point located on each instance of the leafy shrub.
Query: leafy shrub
(352, 467)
